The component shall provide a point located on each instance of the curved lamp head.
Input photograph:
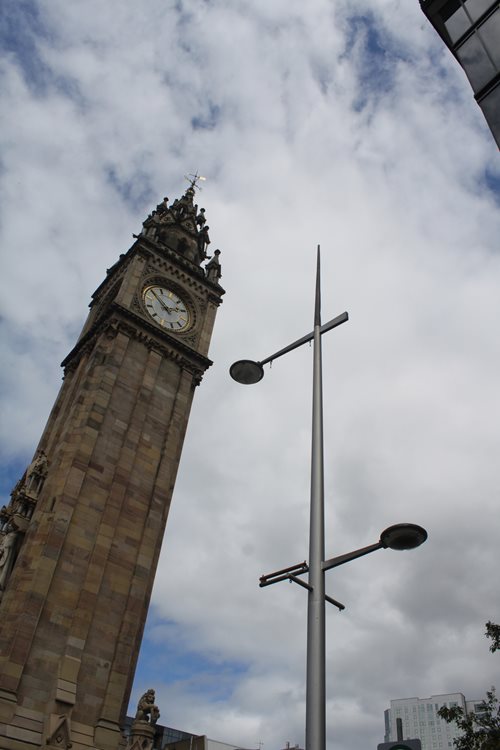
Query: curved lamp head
(403, 536)
(246, 371)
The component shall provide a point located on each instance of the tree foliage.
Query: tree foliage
(480, 730)
(493, 632)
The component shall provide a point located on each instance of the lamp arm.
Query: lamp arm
(334, 562)
(324, 328)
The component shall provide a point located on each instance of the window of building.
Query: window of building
(476, 63)
(455, 19)
(476, 8)
(490, 34)
(459, 16)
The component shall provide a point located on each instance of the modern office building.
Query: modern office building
(471, 30)
(420, 719)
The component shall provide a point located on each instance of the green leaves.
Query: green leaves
(481, 730)
(493, 632)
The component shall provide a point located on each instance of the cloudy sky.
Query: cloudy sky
(341, 123)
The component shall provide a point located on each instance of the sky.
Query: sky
(345, 124)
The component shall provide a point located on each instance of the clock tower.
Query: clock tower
(81, 536)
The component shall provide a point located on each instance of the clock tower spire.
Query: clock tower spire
(80, 539)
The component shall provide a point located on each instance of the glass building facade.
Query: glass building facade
(420, 719)
(163, 736)
(471, 30)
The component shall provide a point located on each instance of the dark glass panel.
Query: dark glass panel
(490, 34)
(475, 62)
(449, 9)
(476, 8)
(491, 110)
(455, 19)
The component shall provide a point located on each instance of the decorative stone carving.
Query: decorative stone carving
(146, 708)
(201, 218)
(182, 246)
(191, 361)
(162, 207)
(4, 518)
(140, 743)
(8, 545)
(27, 490)
(180, 227)
(213, 268)
(15, 518)
(142, 732)
(36, 473)
(203, 242)
(58, 733)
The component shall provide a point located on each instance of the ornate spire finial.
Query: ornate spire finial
(194, 179)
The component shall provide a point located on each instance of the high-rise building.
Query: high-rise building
(471, 30)
(81, 536)
(420, 719)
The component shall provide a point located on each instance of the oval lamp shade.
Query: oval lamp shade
(403, 536)
(246, 371)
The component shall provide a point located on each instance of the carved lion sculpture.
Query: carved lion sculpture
(146, 708)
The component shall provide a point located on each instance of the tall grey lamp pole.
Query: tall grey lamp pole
(400, 536)
(315, 684)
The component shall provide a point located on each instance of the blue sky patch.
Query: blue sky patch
(135, 190)
(207, 120)
(376, 58)
(22, 30)
(20, 26)
(492, 181)
(10, 474)
(166, 659)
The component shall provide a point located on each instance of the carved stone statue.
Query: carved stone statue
(184, 205)
(4, 517)
(146, 708)
(36, 473)
(203, 241)
(201, 218)
(150, 225)
(7, 552)
(213, 268)
(162, 207)
(182, 245)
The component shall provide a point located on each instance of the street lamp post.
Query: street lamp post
(400, 536)
(315, 680)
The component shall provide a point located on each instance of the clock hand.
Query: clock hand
(165, 307)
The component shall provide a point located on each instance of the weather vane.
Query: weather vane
(194, 179)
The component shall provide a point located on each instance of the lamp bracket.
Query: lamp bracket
(290, 574)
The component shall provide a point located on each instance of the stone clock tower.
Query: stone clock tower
(80, 539)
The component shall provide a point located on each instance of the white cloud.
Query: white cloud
(266, 101)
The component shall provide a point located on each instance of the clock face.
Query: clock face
(166, 308)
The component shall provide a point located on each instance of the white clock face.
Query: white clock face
(166, 308)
